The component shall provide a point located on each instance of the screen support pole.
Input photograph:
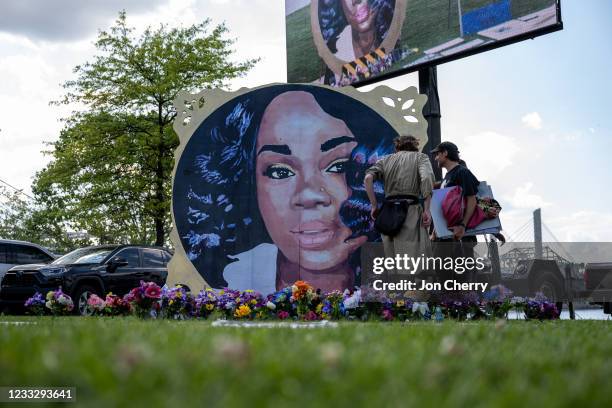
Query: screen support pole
(460, 17)
(428, 85)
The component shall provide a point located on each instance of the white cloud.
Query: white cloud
(532, 120)
(522, 197)
(489, 153)
(582, 226)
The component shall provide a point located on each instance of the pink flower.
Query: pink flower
(95, 302)
(387, 315)
(283, 315)
(134, 295)
(311, 315)
(153, 291)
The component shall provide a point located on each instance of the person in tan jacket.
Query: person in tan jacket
(406, 174)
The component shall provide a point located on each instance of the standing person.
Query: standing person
(406, 174)
(446, 154)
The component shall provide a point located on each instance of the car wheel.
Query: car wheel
(549, 285)
(80, 299)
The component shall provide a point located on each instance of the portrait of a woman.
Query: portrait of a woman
(269, 189)
(354, 28)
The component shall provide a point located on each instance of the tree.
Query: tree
(23, 220)
(111, 167)
(14, 210)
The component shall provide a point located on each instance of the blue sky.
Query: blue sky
(532, 118)
(564, 77)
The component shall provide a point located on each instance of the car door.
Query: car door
(5, 264)
(125, 278)
(154, 265)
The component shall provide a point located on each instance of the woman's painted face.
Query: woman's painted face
(302, 153)
(359, 14)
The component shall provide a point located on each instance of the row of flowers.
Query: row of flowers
(299, 302)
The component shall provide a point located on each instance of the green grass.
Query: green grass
(428, 23)
(125, 362)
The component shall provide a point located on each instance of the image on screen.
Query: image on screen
(349, 42)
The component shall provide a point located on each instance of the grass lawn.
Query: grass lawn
(125, 362)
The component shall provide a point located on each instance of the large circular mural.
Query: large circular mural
(269, 188)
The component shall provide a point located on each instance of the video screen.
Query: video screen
(352, 42)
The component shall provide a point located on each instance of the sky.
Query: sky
(532, 119)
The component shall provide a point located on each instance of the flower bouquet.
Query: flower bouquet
(332, 306)
(205, 303)
(540, 310)
(35, 305)
(249, 305)
(116, 306)
(144, 299)
(176, 303)
(302, 294)
(59, 303)
(281, 302)
(96, 305)
(227, 300)
(400, 308)
(498, 302)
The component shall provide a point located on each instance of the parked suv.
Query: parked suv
(13, 253)
(99, 270)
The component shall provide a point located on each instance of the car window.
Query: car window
(25, 254)
(153, 258)
(4, 254)
(131, 255)
(84, 256)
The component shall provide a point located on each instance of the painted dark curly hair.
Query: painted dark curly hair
(214, 192)
(332, 20)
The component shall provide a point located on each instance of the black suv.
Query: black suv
(99, 270)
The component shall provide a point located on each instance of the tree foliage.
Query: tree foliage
(21, 219)
(111, 168)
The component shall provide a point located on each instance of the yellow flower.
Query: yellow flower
(171, 302)
(242, 311)
(253, 301)
(400, 303)
(319, 307)
(210, 306)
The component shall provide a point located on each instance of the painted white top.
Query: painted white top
(346, 52)
(255, 269)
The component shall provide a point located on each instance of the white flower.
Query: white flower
(270, 305)
(352, 301)
(64, 300)
(48, 304)
(420, 307)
